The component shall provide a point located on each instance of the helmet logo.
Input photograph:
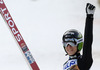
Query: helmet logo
(68, 39)
(72, 33)
(69, 34)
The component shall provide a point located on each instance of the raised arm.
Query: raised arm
(88, 36)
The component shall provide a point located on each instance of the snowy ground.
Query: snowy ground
(42, 24)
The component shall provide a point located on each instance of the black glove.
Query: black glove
(90, 9)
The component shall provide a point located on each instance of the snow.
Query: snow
(42, 24)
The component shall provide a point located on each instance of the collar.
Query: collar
(74, 56)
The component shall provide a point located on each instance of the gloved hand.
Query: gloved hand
(90, 9)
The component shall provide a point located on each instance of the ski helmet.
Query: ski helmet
(73, 38)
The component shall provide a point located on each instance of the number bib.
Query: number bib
(69, 64)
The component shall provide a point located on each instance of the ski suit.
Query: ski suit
(84, 61)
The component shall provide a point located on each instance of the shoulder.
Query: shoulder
(65, 62)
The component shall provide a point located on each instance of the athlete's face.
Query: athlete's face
(71, 50)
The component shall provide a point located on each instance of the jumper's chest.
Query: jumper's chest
(69, 64)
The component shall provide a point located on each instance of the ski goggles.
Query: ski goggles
(70, 41)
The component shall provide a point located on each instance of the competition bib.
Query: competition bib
(69, 64)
